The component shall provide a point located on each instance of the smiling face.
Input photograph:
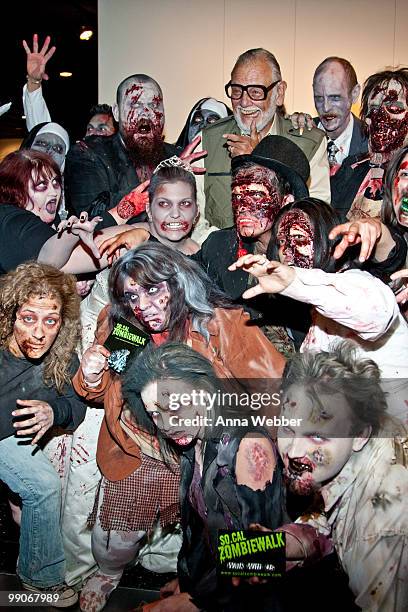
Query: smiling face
(295, 240)
(36, 326)
(333, 99)
(314, 453)
(255, 200)
(141, 114)
(400, 193)
(169, 415)
(150, 305)
(44, 195)
(387, 117)
(100, 124)
(256, 72)
(52, 144)
(172, 211)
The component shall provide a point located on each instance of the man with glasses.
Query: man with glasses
(257, 93)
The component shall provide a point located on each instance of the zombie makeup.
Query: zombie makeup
(314, 452)
(36, 326)
(255, 199)
(296, 240)
(141, 115)
(200, 119)
(172, 211)
(100, 125)
(387, 117)
(400, 193)
(332, 99)
(50, 143)
(150, 305)
(182, 419)
(257, 72)
(44, 195)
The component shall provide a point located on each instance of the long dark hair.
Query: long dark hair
(193, 295)
(323, 218)
(376, 80)
(387, 209)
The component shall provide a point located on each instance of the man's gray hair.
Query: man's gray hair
(259, 54)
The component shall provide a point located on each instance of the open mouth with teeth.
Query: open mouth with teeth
(329, 117)
(175, 226)
(182, 440)
(144, 127)
(403, 212)
(296, 467)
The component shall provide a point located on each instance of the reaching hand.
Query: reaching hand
(94, 362)
(37, 61)
(126, 240)
(83, 228)
(366, 232)
(300, 121)
(188, 156)
(243, 145)
(41, 418)
(134, 202)
(273, 276)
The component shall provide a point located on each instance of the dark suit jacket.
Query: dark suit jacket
(359, 141)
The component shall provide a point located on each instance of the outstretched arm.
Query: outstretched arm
(35, 107)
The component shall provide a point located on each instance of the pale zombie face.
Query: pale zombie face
(400, 193)
(257, 72)
(317, 450)
(387, 117)
(172, 211)
(170, 411)
(36, 326)
(51, 144)
(150, 305)
(255, 200)
(200, 119)
(100, 124)
(333, 100)
(141, 115)
(295, 239)
(44, 194)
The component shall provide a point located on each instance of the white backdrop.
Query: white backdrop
(190, 46)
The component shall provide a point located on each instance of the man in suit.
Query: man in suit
(335, 90)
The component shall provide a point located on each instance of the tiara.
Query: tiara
(174, 162)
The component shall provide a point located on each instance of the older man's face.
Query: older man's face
(257, 72)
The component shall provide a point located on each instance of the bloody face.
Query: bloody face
(174, 417)
(150, 305)
(50, 143)
(387, 117)
(255, 199)
(141, 115)
(36, 326)
(100, 124)
(316, 450)
(256, 72)
(44, 195)
(333, 99)
(172, 211)
(295, 240)
(400, 193)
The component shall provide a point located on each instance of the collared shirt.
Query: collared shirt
(367, 510)
(343, 141)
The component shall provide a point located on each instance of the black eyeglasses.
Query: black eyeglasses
(235, 91)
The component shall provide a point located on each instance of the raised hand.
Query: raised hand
(126, 240)
(37, 60)
(239, 144)
(83, 228)
(189, 156)
(40, 420)
(133, 203)
(366, 232)
(94, 362)
(273, 276)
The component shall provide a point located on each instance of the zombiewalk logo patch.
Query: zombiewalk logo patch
(124, 341)
(251, 553)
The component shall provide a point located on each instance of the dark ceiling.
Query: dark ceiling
(68, 99)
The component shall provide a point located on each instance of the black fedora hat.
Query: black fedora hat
(284, 157)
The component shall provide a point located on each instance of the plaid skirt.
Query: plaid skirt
(136, 502)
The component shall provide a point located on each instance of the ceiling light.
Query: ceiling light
(86, 33)
(66, 74)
